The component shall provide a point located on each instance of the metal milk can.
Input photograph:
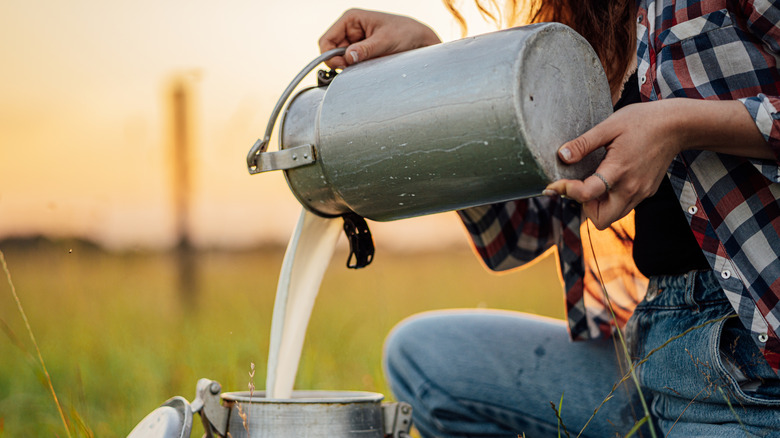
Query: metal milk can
(445, 127)
(311, 414)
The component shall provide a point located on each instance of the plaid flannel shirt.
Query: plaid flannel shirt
(705, 49)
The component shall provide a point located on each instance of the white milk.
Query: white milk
(305, 261)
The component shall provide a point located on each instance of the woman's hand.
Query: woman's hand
(371, 34)
(642, 139)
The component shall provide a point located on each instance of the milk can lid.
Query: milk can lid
(171, 420)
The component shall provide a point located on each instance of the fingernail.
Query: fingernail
(549, 192)
(354, 56)
(565, 154)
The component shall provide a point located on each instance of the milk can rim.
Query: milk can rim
(308, 396)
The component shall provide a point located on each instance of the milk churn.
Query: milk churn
(313, 414)
(445, 127)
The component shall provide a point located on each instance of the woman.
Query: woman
(697, 158)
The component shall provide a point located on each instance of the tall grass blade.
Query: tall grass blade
(81, 425)
(632, 369)
(557, 411)
(16, 341)
(742, 425)
(696, 397)
(35, 343)
(644, 359)
(636, 427)
(606, 399)
(76, 413)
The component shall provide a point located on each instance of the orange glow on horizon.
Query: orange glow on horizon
(84, 117)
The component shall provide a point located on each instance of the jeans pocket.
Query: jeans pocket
(747, 377)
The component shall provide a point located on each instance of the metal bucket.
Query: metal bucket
(455, 125)
(311, 414)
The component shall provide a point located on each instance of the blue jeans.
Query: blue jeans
(473, 373)
(712, 381)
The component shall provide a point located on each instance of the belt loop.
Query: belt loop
(690, 289)
(653, 289)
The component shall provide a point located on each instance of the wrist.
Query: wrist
(700, 124)
(671, 117)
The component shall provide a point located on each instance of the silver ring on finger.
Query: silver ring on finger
(603, 179)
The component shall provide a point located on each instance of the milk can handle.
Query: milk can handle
(261, 145)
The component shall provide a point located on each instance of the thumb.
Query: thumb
(374, 46)
(360, 51)
(575, 150)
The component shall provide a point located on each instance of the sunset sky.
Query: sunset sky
(84, 117)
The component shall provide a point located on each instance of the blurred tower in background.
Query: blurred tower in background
(180, 94)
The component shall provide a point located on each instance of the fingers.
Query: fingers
(589, 189)
(574, 150)
(336, 62)
(605, 210)
(599, 203)
(349, 28)
(341, 62)
(601, 206)
(371, 34)
(637, 157)
(367, 49)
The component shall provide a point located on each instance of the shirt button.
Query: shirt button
(643, 79)
(726, 274)
(763, 337)
(692, 209)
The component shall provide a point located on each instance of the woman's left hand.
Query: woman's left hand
(642, 140)
(639, 150)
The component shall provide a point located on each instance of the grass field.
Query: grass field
(119, 337)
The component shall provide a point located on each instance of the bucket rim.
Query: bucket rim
(306, 396)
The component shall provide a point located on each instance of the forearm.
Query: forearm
(718, 126)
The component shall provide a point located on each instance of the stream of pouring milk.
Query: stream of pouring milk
(305, 261)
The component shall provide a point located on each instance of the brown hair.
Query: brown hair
(608, 25)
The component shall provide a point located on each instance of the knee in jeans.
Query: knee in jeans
(404, 340)
(404, 347)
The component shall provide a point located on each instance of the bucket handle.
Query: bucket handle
(260, 146)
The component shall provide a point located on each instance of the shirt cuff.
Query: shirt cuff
(766, 113)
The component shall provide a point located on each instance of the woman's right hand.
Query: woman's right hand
(371, 34)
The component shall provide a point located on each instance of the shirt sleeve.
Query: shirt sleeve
(765, 111)
(763, 21)
(509, 234)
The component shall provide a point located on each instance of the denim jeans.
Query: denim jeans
(481, 373)
(710, 381)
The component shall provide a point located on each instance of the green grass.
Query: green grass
(119, 338)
